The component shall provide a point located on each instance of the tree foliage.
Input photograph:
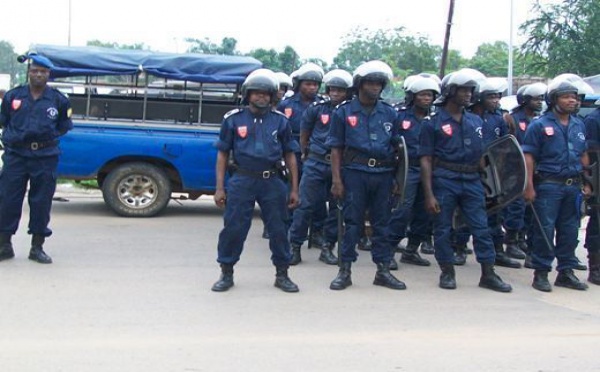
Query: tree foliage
(9, 64)
(113, 45)
(206, 46)
(563, 37)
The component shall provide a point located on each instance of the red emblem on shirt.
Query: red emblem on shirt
(16, 103)
(549, 131)
(288, 112)
(406, 124)
(325, 119)
(352, 120)
(447, 128)
(242, 131)
(523, 125)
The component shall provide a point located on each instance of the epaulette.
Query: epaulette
(430, 116)
(233, 112)
(401, 108)
(387, 104)
(343, 103)
(279, 113)
(322, 102)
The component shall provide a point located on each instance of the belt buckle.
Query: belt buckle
(266, 174)
(569, 181)
(372, 162)
(34, 146)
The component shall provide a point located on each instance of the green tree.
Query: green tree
(286, 61)
(9, 64)
(206, 46)
(563, 37)
(113, 45)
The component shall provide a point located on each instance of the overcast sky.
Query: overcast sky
(312, 28)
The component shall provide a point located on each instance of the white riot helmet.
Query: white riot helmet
(527, 92)
(462, 78)
(559, 87)
(307, 72)
(421, 84)
(284, 80)
(262, 79)
(338, 78)
(372, 71)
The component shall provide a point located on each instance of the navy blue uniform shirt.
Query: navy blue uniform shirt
(521, 122)
(410, 129)
(592, 128)
(317, 119)
(373, 135)
(25, 120)
(258, 142)
(445, 139)
(293, 108)
(493, 126)
(556, 148)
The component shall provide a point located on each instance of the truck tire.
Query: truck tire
(136, 190)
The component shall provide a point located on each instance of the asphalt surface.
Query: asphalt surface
(134, 295)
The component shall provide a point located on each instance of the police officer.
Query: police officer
(285, 84)
(486, 106)
(258, 137)
(33, 117)
(592, 232)
(451, 146)
(420, 95)
(517, 222)
(555, 154)
(315, 184)
(307, 81)
(363, 137)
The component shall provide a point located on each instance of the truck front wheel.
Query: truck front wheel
(136, 190)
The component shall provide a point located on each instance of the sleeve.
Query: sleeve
(396, 133)
(591, 130)
(5, 110)
(289, 144)
(309, 117)
(65, 123)
(337, 130)
(532, 140)
(427, 138)
(225, 141)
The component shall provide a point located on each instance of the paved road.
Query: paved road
(134, 295)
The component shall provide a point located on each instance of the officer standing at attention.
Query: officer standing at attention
(555, 154)
(451, 146)
(258, 137)
(315, 185)
(363, 138)
(420, 94)
(32, 117)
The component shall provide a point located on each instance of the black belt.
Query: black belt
(414, 162)
(324, 158)
(354, 156)
(257, 174)
(561, 180)
(461, 168)
(34, 145)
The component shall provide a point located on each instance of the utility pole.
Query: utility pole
(69, 39)
(446, 40)
(510, 51)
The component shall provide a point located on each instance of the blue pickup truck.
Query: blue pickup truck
(145, 123)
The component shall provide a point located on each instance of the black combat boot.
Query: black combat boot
(400, 247)
(527, 262)
(503, 260)
(226, 280)
(460, 254)
(540, 281)
(6, 248)
(566, 278)
(37, 253)
(343, 278)
(393, 263)
(327, 255)
(283, 281)
(411, 256)
(491, 280)
(296, 257)
(580, 265)
(522, 241)
(316, 238)
(427, 245)
(512, 246)
(364, 244)
(594, 262)
(447, 277)
(384, 278)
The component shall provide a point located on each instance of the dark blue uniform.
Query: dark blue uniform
(316, 178)
(368, 140)
(412, 213)
(455, 148)
(592, 232)
(557, 150)
(257, 143)
(30, 135)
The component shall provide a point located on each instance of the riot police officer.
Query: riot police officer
(315, 184)
(33, 117)
(555, 154)
(420, 95)
(451, 146)
(363, 137)
(258, 137)
(592, 232)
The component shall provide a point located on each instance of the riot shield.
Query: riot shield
(594, 176)
(401, 173)
(504, 175)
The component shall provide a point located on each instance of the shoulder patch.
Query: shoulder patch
(233, 112)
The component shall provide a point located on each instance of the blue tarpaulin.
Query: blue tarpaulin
(96, 61)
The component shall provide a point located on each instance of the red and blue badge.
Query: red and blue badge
(523, 125)
(242, 131)
(288, 112)
(447, 128)
(406, 124)
(549, 131)
(16, 103)
(325, 119)
(352, 120)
